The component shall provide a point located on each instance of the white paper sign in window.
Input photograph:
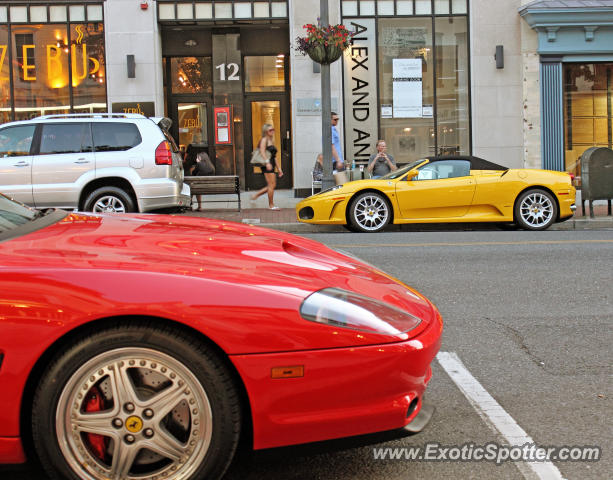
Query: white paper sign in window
(407, 87)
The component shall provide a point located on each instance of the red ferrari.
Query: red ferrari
(145, 346)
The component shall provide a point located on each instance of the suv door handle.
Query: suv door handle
(23, 163)
(82, 160)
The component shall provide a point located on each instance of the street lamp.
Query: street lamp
(326, 110)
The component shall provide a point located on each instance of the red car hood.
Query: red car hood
(195, 256)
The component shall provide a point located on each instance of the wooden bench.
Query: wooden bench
(215, 185)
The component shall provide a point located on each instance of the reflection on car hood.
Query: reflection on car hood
(204, 248)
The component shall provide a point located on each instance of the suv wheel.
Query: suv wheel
(109, 200)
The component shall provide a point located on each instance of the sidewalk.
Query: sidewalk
(258, 213)
(226, 207)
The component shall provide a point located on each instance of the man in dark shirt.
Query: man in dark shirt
(381, 163)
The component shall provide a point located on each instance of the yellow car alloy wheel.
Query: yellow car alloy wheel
(369, 212)
(535, 210)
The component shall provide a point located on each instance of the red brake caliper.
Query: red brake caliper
(97, 443)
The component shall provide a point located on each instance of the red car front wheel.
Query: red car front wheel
(136, 402)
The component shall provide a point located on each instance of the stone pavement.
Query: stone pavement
(258, 213)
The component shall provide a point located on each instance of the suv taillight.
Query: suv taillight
(163, 154)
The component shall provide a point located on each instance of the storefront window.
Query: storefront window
(5, 83)
(42, 61)
(40, 70)
(406, 87)
(265, 74)
(588, 119)
(452, 86)
(191, 75)
(423, 87)
(88, 69)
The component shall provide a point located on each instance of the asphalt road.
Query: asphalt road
(529, 315)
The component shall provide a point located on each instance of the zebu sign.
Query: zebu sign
(360, 67)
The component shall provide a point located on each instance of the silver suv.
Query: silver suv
(93, 162)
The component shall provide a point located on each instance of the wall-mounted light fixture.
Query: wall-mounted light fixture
(131, 64)
(190, 43)
(499, 56)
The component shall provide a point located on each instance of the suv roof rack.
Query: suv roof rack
(92, 115)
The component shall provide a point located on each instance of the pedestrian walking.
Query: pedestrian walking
(338, 164)
(267, 144)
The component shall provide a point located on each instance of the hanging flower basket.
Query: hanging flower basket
(324, 45)
(325, 54)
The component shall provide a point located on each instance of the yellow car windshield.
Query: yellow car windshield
(401, 171)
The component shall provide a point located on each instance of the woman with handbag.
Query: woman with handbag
(268, 153)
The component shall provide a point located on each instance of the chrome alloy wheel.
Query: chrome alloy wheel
(109, 204)
(536, 210)
(371, 212)
(134, 413)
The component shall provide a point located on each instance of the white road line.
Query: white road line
(492, 413)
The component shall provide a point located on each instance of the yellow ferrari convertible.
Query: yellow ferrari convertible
(446, 189)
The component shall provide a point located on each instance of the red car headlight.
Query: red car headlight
(340, 308)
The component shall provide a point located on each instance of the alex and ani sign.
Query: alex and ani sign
(360, 66)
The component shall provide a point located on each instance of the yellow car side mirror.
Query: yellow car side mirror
(412, 174)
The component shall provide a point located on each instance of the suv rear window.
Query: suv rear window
(111, 137)
(65, 138)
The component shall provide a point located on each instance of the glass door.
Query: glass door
(188, 89)
(192, 123)
(190, 127)
(272, 111)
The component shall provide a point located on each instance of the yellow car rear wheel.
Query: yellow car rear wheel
(536, 209)
(370, 212)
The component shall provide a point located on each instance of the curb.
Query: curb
(255, 217)
(597, 223)
(303, 228)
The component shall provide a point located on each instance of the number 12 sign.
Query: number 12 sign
(228, 72)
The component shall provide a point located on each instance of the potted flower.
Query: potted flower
(324, 44)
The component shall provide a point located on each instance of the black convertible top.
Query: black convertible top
(476, 163)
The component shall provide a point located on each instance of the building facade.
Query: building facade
(520, 83)
(575, 54)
